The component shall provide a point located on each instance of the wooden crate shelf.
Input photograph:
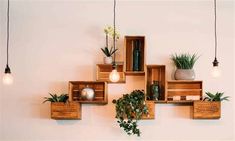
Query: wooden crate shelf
(183, 91)
(100, 88)
(128, 55)
(65, 111)
(206, 109)
(103, 71)
(151, 108)
(156, 73)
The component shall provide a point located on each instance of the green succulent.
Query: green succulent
(108, 52)
(184, 61)
(215, 97)
(129, 109)
(55, 98)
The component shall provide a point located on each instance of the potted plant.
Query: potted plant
(210, 107)
(129, 109)
(184, 64)
(109, 32)
(61, 108)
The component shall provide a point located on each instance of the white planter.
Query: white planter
(108, 60)
(184, 74)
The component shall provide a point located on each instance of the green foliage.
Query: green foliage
(184, 61)
(129, 110)
(55, 98)
(215, 97)
(108, 52)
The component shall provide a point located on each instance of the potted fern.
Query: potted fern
(61, 108)
(130, 108)
(109, 32)
(184, 64)
(210, 107)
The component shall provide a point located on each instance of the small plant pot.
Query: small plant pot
(108, 60)
(206, 109)
(184, 74)
(61, 110)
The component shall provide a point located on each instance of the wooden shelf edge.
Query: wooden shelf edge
(135, 73)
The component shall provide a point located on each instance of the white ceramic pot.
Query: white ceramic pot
(108, 60)
(88, 93)
(184, 74)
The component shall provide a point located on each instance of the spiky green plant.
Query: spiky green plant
(108, 52)
(215, 97)
(184, 61)
(55, 98)
(129, 109)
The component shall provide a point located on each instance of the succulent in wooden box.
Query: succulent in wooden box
(218, 96)
(129, 109)
(55, 98)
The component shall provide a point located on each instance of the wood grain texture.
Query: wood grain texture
(183, 89)
(151, 108)
(128, 54)
(206, 110)
(156, 73)
(100, 88)
(68, 111)
(103, 71)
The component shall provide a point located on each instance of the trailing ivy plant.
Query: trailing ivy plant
(129, 109)
(55, 98)
(215, 97)
(184, 61)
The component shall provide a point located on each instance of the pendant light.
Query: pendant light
(215, 70)
(7, 77)
(114, 75)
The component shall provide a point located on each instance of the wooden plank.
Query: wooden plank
(206, 110)
(135, 73)
(151, 108)
(184, 93)
(100, 88)
(60, 110)
(156, 73)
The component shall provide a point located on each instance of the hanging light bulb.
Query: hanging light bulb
(7, 77)
(215, 70)
(114, 75)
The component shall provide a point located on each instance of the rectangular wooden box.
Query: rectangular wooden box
(151, 108)
(206, 109)
(100, 88)
(103, 71)
(156, 73)
(61, 110)
(128, 55)
(183, 88)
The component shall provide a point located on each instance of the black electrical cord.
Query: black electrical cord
(114, 33)
(215, 62)
(7, 69)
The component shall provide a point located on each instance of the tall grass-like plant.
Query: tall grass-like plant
(184, 61)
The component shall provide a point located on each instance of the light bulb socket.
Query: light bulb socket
(215, 63)
(114, 65)
(7, 69)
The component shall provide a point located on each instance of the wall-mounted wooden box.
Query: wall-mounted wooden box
(103, 71)
(128, 54)
(156, 73)
(65, 111)
(206, 110)
(151, 108)
(100, 88)
(184, 91)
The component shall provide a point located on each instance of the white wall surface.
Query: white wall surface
(55, 41)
